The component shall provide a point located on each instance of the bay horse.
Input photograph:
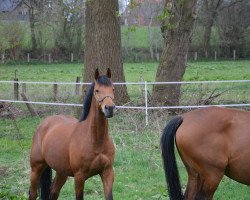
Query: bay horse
(80, 149)
(211, 142)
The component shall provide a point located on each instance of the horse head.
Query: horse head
(104, 93)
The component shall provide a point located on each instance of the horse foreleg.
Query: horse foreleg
(58, 182)
(79, 184)
(108, 180)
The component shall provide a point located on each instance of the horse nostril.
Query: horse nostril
(109, 107)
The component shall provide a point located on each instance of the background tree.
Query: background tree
(234, 23)
(177, 25)
(208, 13)
(103, 43)
(35, 7)
(69, 27)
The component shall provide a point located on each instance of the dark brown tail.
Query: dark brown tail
(45, 183)
(169, 160)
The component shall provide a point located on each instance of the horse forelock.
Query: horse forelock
(102, 80)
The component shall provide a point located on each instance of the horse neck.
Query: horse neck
(98, 123)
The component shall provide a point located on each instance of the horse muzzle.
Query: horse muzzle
(109, 111)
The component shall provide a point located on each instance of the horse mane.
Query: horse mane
(102, 80)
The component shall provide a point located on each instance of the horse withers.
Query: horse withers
(211, 142)
(75, 148)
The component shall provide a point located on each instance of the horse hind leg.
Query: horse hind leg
(57, 184)
(192, 186)
(208, 186)
(36, 172)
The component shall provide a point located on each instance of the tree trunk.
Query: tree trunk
(177, 33)
(32, 31)
(103, 44)
(207, 37)
(210, 8)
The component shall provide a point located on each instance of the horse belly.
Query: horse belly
(55, 152)
(239, 169)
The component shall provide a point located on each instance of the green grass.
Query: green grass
(138, 165)
(134, 72)
(195, 71)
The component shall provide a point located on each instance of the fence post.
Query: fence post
(55, 91)
(146, 101)
(157, 56)
(28, 57)
(195, 56)
(16, 90)
(3, 58)
(16, 86)
(72, 57)
(215, 55)
(77, 90)
(24, 88)
(186, 57)
(49, 58)
(234, 54)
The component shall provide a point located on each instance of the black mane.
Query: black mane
(102, 80)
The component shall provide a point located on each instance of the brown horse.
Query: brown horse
(211, 142)
(75, 148)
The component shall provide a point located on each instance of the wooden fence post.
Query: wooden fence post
(3, 58)
(215, 55)
(49, 58)
(195, 56)
(55, 91)
(24, 88)
(28, 57)
(77, 90)
(72, 57)
(234, 54)
(16, 86)
(16, 89)
(29, 106)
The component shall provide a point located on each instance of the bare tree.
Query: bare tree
(177, 25)
(68, 26)
(233, 23)
(209, 12)
(34, 7)
(103, 43)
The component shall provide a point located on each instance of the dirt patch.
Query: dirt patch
(8, 110)
(3, 171)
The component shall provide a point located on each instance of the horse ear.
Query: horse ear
(108, 73)
(96, 74)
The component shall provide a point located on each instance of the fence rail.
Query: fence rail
(146, 85)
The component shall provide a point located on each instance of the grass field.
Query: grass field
(138, 167)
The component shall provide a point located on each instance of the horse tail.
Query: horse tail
(169, 160)
(45, 183)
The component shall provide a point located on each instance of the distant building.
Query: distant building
(143, 13)
(13, 10)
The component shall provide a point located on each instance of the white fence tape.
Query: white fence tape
(146, 107)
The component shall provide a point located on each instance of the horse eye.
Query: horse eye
(96, 91)
(113, 89)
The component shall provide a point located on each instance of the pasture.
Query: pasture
(138, 165)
